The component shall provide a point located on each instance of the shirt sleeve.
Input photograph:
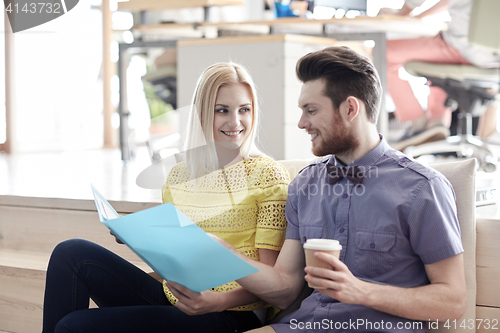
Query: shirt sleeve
(166, 195)
(291, 213)
(271, 201)
(434, 227)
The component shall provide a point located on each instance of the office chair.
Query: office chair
(470, 90)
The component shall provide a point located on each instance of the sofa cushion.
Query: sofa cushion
(461, 175)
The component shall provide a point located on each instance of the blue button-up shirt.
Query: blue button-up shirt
(402, 217)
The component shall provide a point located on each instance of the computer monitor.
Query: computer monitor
(343, 4)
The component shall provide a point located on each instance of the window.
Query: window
(58, 82)
(3, 124)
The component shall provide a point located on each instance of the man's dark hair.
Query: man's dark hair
(346, 73)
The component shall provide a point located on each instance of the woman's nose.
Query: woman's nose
(234, 119)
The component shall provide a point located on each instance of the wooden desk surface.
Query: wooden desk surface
(388, 23)
(291, 38)
(66, 176)
(139, 5)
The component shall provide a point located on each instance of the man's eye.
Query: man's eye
(311, 111)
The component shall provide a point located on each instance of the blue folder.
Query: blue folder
(173, 246)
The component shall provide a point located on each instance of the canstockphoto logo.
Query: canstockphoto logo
(26, 14)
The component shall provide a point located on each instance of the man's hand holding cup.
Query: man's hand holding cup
(330, 246)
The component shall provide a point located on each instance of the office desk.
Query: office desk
(140, 5)
(488, 255)
(143, 5)
(488, 263)
(388, 23)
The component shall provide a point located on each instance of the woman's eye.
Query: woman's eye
(245, 110)
(221, 110)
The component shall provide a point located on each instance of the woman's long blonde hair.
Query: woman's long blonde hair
(201, 156)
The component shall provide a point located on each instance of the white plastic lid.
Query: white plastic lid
(323, 244)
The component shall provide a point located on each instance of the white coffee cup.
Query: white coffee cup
(330, 246)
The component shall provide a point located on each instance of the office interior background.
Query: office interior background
(58, 70)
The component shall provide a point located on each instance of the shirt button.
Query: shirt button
(323, 305)
(304, 239)
(341, 230)
(344, 195)
(372, 245)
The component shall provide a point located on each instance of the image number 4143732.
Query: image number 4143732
(26, 14)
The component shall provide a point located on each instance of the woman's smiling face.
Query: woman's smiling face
(233, 114)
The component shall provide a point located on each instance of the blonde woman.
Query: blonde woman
(225, 185)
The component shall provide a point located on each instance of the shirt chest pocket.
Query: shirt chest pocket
(374, 253)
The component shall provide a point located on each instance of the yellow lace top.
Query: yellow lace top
(243, 204)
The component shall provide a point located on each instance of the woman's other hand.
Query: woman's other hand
(194, 303)
(118, 240)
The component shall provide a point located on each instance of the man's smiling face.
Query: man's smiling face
(329, 131)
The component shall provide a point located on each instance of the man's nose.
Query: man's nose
(303, 122)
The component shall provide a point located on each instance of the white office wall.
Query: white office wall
(58, 84)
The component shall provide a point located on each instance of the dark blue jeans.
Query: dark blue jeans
(129, 300)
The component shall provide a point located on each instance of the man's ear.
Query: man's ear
(353, 107)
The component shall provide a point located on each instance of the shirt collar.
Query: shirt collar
(368, 159)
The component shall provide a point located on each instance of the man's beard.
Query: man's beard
(339, 141)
